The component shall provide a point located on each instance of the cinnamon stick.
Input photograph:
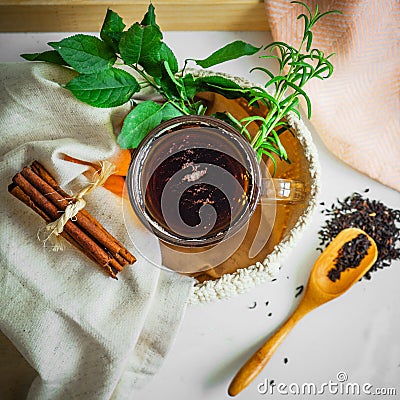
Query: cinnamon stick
(17, 192)
(105, 239)
(60, 198)
(90, 246)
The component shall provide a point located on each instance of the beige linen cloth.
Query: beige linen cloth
(86, 335)
(357, 110)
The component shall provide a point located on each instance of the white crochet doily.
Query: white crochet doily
(246, 278)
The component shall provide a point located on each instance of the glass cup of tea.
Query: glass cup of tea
(195, 180)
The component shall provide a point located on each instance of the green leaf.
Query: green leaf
(50, 56)
(174, 79)
(130, 45)
(229, 52)
(221, 85)
(169, 112)
(86, 54)
(112, 29)
(282, 150)
(150, 17)
(272, 158)
(263, 94)
(327, 67)
(303, 93)
(142, 45)
(265, 70)
(303, 4)
(309, 37)
(138, 123)
(109, 88)
(275, 79)
(270, 147)
(283, 47)
(306, 20)
(197, 108)
(168, 88)
(166, 54)
(223, 116)
(190, 86)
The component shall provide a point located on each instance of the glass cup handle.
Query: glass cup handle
(282, 190)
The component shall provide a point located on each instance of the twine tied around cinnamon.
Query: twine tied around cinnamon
(56, 227)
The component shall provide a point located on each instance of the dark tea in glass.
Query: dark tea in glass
(196, 181)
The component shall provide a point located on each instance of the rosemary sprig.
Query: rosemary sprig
(296, 68)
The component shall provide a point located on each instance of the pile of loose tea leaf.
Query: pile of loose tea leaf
(375, 218)
(350, 256)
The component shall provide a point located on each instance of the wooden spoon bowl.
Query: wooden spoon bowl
(320, 289)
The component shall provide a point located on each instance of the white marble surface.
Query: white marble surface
(356, 334)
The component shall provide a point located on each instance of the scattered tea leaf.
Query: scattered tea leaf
(299, 290)
(349, 256)
(380, 222)
(254, 305)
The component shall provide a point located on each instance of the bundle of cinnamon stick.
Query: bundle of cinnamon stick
(36, 188)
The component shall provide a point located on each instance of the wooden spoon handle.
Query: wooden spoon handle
(259, 359)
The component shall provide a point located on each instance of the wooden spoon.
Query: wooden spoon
(320, 289)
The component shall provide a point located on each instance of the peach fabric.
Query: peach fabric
(357, 110)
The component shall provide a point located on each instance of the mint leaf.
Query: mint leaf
(168, 87)
(190, 85)
(138, 123)
(109, 88)
(150, 17)
(142, 45)
(50, 56)
(169, 112)
(229, 52)
(221, 85)
(86, 54)
(130, 45)
(166, 54)
(112, 29)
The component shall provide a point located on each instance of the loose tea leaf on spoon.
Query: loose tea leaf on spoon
(372, 216)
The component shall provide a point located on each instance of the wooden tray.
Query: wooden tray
(87, 15)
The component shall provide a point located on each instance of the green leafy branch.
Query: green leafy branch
(295, 70)
(101, 82)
